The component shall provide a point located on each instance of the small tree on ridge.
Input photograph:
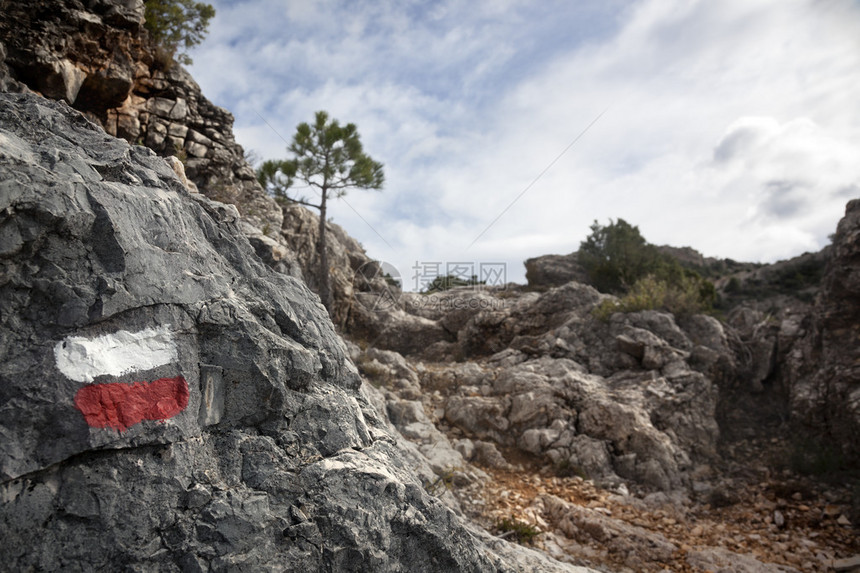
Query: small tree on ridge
(615, 256)
(328, 159)
(177, 25)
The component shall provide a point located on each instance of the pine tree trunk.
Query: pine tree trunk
(323, 277)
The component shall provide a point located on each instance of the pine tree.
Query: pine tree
(328, 159)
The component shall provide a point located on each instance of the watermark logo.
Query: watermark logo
(429, 276)
(378, 286)
(440, 305)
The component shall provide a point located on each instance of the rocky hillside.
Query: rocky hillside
(825, 370)
(766, 287)
(642, 440)
(95, 55)
(635, 442)
(169, 402)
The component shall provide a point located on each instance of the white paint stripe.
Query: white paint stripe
(82, 359)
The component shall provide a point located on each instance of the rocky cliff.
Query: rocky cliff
(631, 398)
(824, 368)
(95, 55)
(171, 403)
(790, 325)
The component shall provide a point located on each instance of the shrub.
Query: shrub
(180, 154)
(617, 259)
(376, 373)
(691, 294)
(443, 482)
(616, 256)
(521, 532)
(734, 286)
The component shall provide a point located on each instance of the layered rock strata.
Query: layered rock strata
(96, 56)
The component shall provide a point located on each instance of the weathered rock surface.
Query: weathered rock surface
(630, 399)
(827, 400)
(83, 53)
(353, 274)
(263, 454)
(554, 270)
(95, 55)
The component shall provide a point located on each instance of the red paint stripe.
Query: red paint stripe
(121, 406)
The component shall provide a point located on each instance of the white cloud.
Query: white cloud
(732, 126)
(796, 178)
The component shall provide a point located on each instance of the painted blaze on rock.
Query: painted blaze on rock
(120, 405)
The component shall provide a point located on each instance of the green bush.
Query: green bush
(520, 531)
(686, 296)
(377, 374)
(734, 286)
(175, 26)
(616, 256)
(619, 260)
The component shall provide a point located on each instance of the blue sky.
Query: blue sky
(732, 126)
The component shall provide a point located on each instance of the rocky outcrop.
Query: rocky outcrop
(631, 399)
(792, 283)
(83, 53)
(352, 272)
(825, 368)
(169, 402)
(601, 437)
(96, 56)
(554, 270)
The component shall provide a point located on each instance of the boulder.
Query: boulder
(554, 270)
(452, 308)
(495, 326)
(108, 87)
(641, 427)
(393, 329)
(61, 80)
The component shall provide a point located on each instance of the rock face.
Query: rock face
(554, 270)
(83, 53)
(632, 399)
(351, 270)
(168, 402)
(828, 399)
(95, 56)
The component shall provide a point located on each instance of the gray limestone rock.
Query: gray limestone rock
(554, 270)
(96, 56)
(824, 380)
(168, 402)
(720, 559)
(635, 425)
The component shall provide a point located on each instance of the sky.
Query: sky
(507, 127)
